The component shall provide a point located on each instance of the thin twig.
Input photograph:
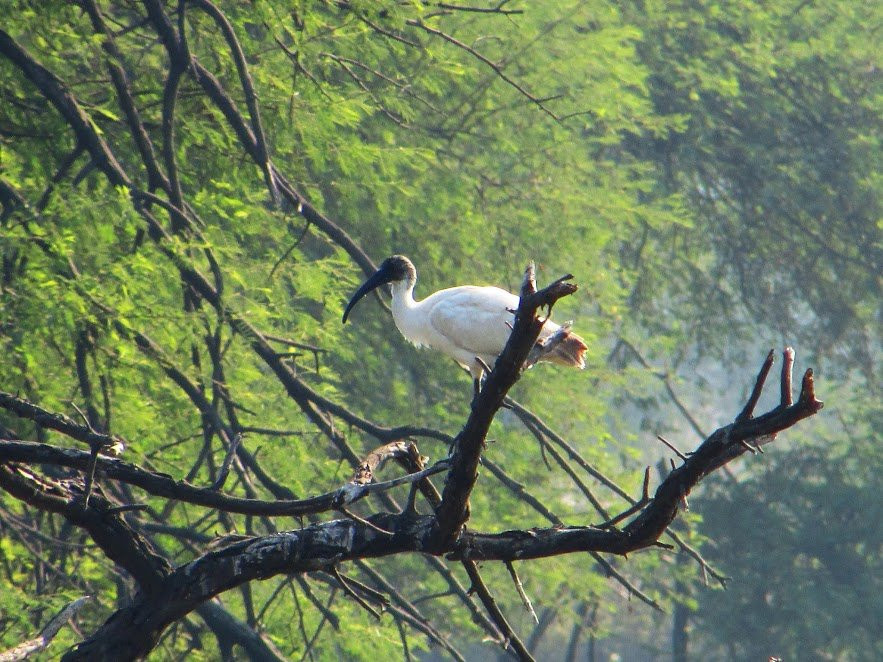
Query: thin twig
(315, 637)
(631, 588)
(747, 412)
(511, 639)
(635, 507)
(486, 60)
(363, 521)
(498, 9)
(520, 588)
(90, 474)
(671, 446)
(787, 365)
(228, 461)
(355, 596)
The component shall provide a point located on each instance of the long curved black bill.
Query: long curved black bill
(381, 277)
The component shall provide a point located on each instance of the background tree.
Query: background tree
(172, 277)
(819, 569)
(776, 163)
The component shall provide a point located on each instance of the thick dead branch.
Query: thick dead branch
(534, 423)
(786, 397)
(134, 630)
(748, 411)
(258, 647)
(377, 458)
(721, 447)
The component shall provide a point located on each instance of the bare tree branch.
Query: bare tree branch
(47, 634)
(165, 486)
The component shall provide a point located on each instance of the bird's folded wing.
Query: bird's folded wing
(475, 319)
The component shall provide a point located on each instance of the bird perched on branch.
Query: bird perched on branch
(470, 324)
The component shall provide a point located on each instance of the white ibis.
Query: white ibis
(468, 323)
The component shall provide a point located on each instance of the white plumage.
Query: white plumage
(461, 322)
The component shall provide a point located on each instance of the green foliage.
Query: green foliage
(777, 159)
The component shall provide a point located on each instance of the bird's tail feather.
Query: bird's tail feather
(571, 351)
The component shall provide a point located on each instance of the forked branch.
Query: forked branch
(721, 447)
(453, 511)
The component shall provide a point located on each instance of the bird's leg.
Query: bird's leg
(452, 445)
(480, 370)
(477, 385)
